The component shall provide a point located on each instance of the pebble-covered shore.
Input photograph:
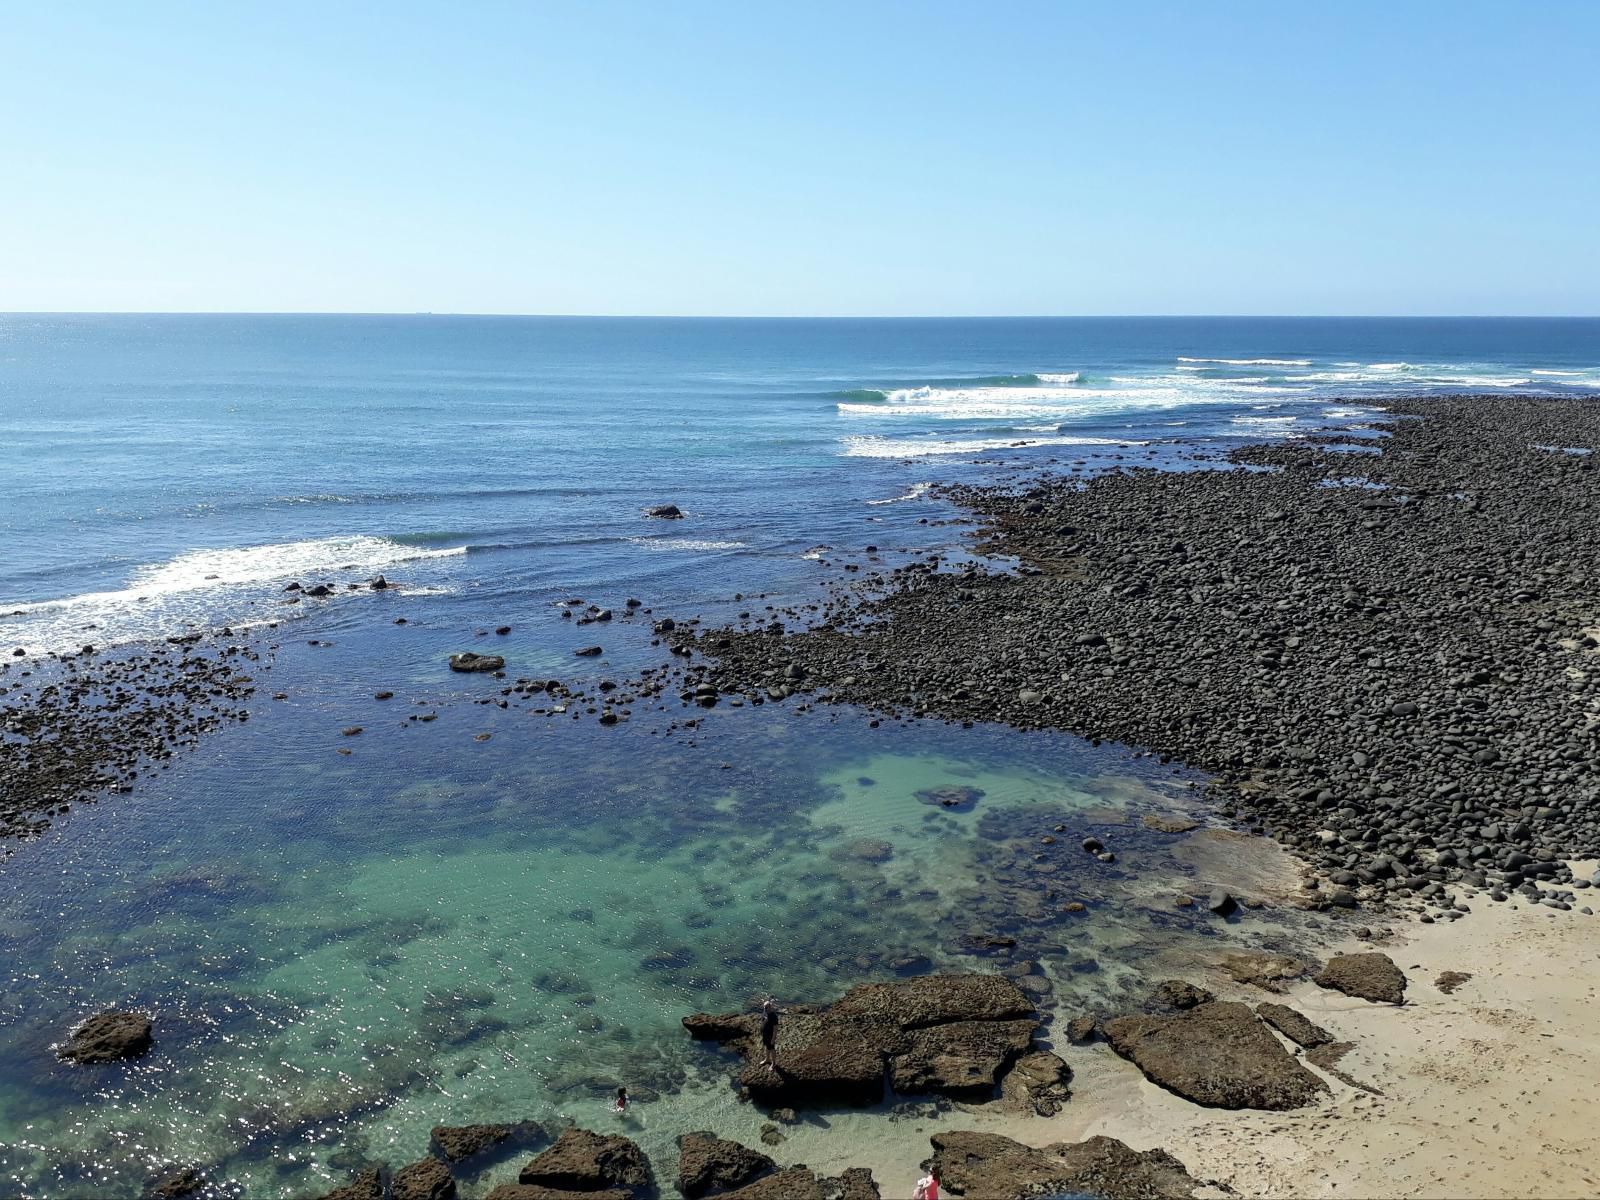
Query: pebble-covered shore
(1384, 650)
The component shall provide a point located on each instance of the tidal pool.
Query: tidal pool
(341, 951)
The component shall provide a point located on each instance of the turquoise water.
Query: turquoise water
(344, 949)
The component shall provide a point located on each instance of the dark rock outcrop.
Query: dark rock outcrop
(953, 1034)
(1175, 993)
(175, 1185)
(367, 1185)
(709, 1165)
(583, 1161)
(1370, 976)
(670, 512)
(467, 662)
(1295, 1026)
(108, 1036)
(1218, 1055)
(986, 1166)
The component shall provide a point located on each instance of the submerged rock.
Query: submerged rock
(1175, 993)
(987, 1166)
(108, 1036)
(1370, 976)
(367, 1185)
(1218, 1055)
(583, 1161)
(428, 1179)
(956, 796)
(175, 1185)
(708, 1165)
(458, 1143)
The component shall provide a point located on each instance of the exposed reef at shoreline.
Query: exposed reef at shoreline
(1389, 661)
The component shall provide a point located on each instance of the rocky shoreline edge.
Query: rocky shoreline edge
(969, 1038)
(1384, 651)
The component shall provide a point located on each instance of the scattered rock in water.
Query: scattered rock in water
(1175, 993)
(589, 651)
(954, 796)
(1218, 1055)
(175, 1185)
(1269, 972)
(1370, 976)
(428, 1179)
(987, 1166)
(1083, 1028)
(1222, 903)
(469, 662)
(669, 512)
(1038, 1083)
(583, 1161)
(109, 1036)
(1449, 981)
(1295, 1026)
(953, 1034)
(708, 1164)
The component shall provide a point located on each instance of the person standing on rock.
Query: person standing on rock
(769, 1030)
(927, 1187)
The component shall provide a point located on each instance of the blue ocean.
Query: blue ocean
(501, 914)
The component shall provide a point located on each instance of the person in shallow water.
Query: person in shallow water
(769, 1029)
(927, 1187)
(620, 1104)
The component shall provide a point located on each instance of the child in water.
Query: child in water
(927, 1187)
(620, 1104)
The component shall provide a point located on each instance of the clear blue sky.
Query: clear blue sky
(861, 158)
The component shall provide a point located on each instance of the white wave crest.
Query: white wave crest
(205, 570)
(1537, 371)
(1070, 377)
(886, 447)
(1250, 362)
(916, 492)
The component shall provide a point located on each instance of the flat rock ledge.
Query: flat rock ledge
(956, 1035)
(109, 1036)
(428, 1179)
(709, 1165)
(462, 1143)
(987, 1166)
(584, 1161)
(1371, 976)
(1217, 1054)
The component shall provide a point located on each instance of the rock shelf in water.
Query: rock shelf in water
(956, 1035)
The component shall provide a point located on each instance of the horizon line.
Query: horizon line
(1173, 316)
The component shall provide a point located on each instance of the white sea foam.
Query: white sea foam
(1070, 377)
(206, 586)
(205, 570)
(916, 492)
(1250, 362)
(886, 447)
(1537, 371)
(684, 543)
(1390, 366)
